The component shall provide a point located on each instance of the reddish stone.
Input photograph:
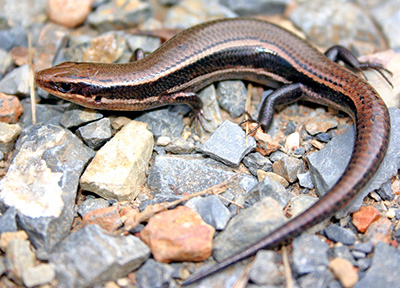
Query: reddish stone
(128, 215)
(379, 231)
(265, 144)
(10, 109)
(107, 218)
(363, 218)
(178, 235)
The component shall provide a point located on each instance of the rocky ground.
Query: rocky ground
(109, 199)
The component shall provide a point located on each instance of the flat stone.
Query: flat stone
(118, 171)
(178, 174)
(320, 125)
(77, 115)
(90, 256)
(19, 258)
(328, 164)
(243, 7)
(211, 210)
(364, 217)
(42, 182)
(95, 134)
(309, 253)
(10, 109)
(255, 161)
(178, 235)
(39, 275)
(232, 95)
(228, 144)
(180, 146)
(381, 273)
(251, 225)
(339, 234)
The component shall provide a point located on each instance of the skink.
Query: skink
(252, 50)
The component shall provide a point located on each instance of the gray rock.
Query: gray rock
(381, 273)
(386, 192)
(305, 180)
(19, 258)
(288, 168)
(13, 37)
(171, 174)
(5, 62)
(155, 274)
(23, 12)
(268, 188)
(179, 146)
(16, 82)
(342, 252)
(251, 225)
(243, 7)
(232, 97)
(113, 16)
(328, 164)
(324, 137)
(339, 234)
(309, 253)
(95, 134)
(211, 210)
(324, 22)
(163, 122)
(265, 270)
(229, 144)
(255, 161)
(39, 275)
(211, 111)
(7, 221)
(3, 267)
(91, 204)
(387, 17)
(42, 182)
(76, 116)
(318, 278)
(365, 247)
(90, 257)
(146, 43)
(45, 114)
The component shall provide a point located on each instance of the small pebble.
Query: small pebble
(344, 271)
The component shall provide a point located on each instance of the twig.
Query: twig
(31, 79)
(243, 279)
(151, 210)
(286, 266)
(230, 201)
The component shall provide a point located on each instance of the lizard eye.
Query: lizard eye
(63, 87)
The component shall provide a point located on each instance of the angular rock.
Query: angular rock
(265, 270)
(339, 234)
(381, 274)
(251, 225)
(268, 188)
(232, 95)
(90, 257)
(211, 210)
(379, 231)
(178, 235)
(76, 116)
(305, 180)
(8, 221)
(179, 146)
(261, 175)
(336, 155)
(309, 253)
(91, 204)
(97, 133)
(8, 136)
(228, 144)
(364, 217)
(243, 7)
(118, 169)
(155, 274)
(45, 114)
(10, 109)
(7, 237)
(107, 218)
(255, 161)
(42, 182)
(288, 168)
(16, 82)
(320, 125)
(39, 275)
(19, 258)
(211, 110)
(172, 174)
